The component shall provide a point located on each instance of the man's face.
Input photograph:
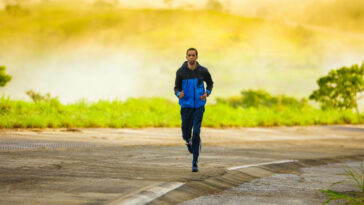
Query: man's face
(191, 57)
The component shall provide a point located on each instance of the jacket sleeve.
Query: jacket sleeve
(177, 84)
(209, 82)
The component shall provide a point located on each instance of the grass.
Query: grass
(157, 112)
(354, 198)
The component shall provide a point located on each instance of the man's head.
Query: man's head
(191, 55)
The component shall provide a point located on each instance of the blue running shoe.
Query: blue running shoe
(195, 168)
(189, 146)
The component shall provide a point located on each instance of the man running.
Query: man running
(190, 90)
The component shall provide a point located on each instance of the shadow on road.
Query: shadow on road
(343, 128)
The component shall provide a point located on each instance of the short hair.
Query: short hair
(192, 49)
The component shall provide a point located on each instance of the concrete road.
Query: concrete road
(152, 165)
(301, 188)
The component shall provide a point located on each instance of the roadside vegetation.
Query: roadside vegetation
(4, 78)
(355, 197)
(252, 108)
(338, 94)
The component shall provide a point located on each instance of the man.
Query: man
(190, 90)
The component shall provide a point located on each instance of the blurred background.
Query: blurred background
(116, 49)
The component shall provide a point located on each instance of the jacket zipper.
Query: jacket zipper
(194, 93)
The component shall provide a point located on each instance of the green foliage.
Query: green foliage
(4, 79)
(142, 112)
(261, 98)
(157, 112)
(353, 198)
(340, 88)
(37, 97)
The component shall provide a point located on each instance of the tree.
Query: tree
(3, 77)
(341, 88)
(214, 5)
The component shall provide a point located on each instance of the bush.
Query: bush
(37, 97)
(261, 98)
(4, 79)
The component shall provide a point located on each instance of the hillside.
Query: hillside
(50, 26)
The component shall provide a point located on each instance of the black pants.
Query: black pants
(192, 117)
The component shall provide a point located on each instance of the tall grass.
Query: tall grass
(157, 112)
(154, 112)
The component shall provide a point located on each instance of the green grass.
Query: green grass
(157, 112)
(353, 197)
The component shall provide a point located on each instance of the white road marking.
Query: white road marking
(259, 164)
(145, 132)
(147, 194)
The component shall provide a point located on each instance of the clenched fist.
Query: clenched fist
(181, 94)
(204, 96)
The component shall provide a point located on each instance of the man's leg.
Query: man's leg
(187, 122)
(196, 140)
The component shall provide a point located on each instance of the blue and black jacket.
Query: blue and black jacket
(191, 82)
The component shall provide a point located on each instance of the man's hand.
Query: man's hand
(181, 94)
(204, 96)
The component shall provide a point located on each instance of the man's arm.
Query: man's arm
(177, 85)
(209, 82)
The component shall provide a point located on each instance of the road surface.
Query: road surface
(152, 165)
